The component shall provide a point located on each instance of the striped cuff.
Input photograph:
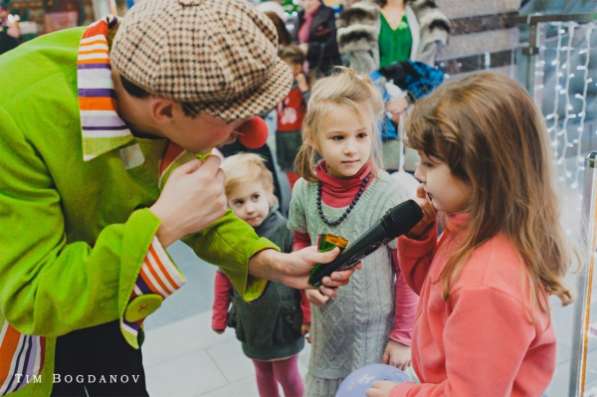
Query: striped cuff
(21, 358)
(159, 278)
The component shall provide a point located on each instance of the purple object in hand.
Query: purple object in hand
(357, 383)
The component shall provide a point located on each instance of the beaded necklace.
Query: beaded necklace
(356, 198)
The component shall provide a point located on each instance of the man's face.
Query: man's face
(201, 133)
(311, 5)
(160, 117)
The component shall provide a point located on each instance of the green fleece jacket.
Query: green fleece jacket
(74, 234)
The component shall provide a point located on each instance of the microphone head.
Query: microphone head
(253, 133)
(402, 218)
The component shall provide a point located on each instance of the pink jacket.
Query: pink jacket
(486, 340)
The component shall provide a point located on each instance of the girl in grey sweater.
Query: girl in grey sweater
(371, 319)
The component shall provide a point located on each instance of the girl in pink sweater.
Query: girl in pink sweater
(483, 325)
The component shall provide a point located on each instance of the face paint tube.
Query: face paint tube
(327, 242)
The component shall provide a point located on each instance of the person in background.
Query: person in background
(411, 30)
(9, 31)
(316, 34)
(270, 328)
(290, 113)
(483, 326)
(274, 11)
(344, 194)
(382, 33)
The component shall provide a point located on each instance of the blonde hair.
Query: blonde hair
(247, 168)
(344, 88)
(489, 132)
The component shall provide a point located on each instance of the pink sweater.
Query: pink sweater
(486, 340)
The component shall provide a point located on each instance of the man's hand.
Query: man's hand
(192, 199)
(305, 328)
(293, 269)
(316, 297)
(397, 355)
(381, 389)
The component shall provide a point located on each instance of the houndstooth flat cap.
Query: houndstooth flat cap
(218, 55)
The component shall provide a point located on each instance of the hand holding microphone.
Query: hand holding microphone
(395, 222)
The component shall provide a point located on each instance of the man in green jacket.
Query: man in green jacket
(86, 119)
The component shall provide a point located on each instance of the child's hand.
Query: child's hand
(304, 48)
(397, 355)
(429, 214)
(305, 328)
(381, 389)
(316, 297)
(219, 331)
(301, 80)
(397, 107)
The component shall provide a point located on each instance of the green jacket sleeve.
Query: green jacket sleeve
(230, 243)
(50, 287)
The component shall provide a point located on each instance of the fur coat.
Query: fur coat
(358, 30)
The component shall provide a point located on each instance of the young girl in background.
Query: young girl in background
(344, 194)
(270, 328)
(484, 326)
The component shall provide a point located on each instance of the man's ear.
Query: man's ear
(162, 109)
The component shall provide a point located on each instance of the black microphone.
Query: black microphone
(395, 222)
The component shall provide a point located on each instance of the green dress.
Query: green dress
(394, 44)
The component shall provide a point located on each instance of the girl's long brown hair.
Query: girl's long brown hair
(489, 132)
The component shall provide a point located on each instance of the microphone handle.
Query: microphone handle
(371, 240)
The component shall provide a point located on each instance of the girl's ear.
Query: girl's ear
(311, 143)
(273, 200)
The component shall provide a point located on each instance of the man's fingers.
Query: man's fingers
(211, 164)
(328, 292)
(326, 257)
(188, 167)
(343, 276)
(337, 279)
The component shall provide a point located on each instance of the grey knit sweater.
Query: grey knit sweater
(352, 330)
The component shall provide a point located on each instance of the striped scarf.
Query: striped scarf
(102, 128)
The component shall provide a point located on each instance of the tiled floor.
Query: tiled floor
(184, 358)
(187, 359)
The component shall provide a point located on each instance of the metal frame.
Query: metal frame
(578, 366)
(531, 48)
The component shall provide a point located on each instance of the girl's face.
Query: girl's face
(344, 141)
(446, 192)
(310, 5)
(250, 202)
